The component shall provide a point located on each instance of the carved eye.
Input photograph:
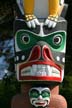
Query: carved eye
(34, 93)
(57, 39)
(25, 38)
(45, 94)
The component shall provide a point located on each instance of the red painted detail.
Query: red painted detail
(51, 63)
(39, 78)
(47, 55)
(35, 53)
(39, 104)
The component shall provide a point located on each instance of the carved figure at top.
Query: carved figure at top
(54, 10)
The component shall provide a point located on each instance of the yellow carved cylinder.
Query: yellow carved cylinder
(53, 7)
(28, 7)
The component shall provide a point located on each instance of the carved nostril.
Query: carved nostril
(47, 55)
(35, 53)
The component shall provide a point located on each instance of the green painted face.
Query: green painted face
(39, 96)
(26, 40)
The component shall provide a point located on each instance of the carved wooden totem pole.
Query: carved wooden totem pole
(40, 46)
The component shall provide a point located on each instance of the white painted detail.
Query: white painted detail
(62, 74)
(17, 49)
(49, 70)
(58, 58)
(33, 70)
(17, 58)
(23, 57)
(63, 59)
(26, 71)
(41, 30)
(55, 72)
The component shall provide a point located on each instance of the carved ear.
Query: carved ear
(64, 11)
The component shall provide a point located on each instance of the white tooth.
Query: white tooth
(43, 66)
(49, 70)
(44, 73)
(55, 75)
(33, 70)
(26, 71)
(39, 67)
(55, 72)
(38, 73)
(39, 70)
(42, 70)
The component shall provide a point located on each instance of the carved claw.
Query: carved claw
(51, 21)
(31, 21)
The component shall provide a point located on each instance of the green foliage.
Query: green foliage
(7, 91)
(66, 90)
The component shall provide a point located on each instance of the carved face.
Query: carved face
(39, 96)
(40, 54)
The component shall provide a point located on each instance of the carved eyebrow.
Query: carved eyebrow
(23, 26)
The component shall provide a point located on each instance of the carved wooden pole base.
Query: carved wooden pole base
(22, 100)
(58, 101)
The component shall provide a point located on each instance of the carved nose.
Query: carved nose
(45, 51)
(40, 97)
(41, 52)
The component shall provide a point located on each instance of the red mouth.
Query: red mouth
(39, 78)
(51, 63)
(40, 104)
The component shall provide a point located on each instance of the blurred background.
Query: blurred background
(8, 83)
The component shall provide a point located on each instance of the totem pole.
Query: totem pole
(40, 46)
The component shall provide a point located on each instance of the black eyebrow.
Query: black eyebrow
(22, 25)
(61, 26)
